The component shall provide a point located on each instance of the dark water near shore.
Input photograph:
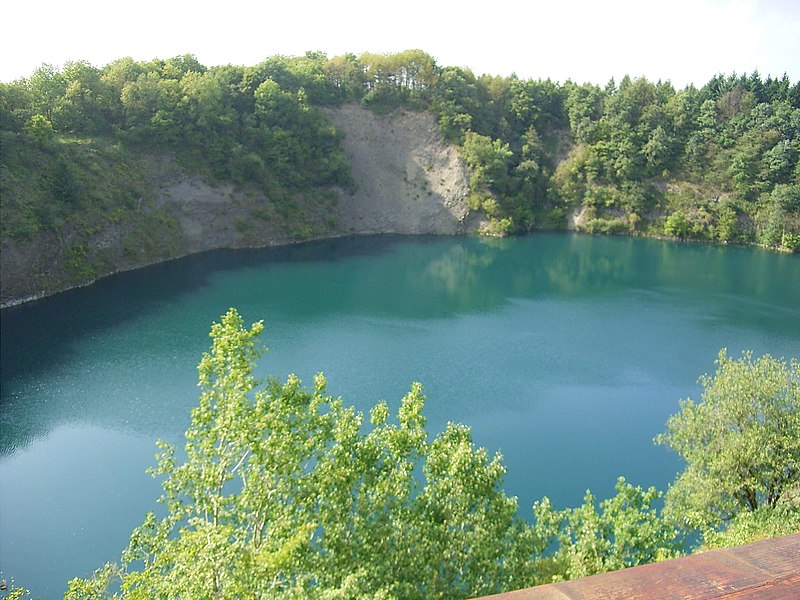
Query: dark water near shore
(566, 353)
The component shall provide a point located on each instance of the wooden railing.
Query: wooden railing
(766, 569)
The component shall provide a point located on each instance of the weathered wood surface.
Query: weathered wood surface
(769, 569)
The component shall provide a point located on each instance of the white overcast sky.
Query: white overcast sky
(685, 41)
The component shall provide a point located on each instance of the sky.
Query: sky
(684, 41)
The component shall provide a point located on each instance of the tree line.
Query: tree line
(283, 491)
(717, 163)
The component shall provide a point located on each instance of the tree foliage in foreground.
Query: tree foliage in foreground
(741, 444)
(287, 492)
(284, 492)
(628, 530)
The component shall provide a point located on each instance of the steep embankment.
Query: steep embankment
(407, 180)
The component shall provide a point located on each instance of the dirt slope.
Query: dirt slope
(408, 180)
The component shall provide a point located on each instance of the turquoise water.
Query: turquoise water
(566, 353)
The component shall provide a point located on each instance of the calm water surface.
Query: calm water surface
(565, 353)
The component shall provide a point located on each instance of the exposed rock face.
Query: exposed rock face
(211, 217)
(576, 218)
(407, 180)
(27, 267)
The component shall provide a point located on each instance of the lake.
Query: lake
(566, 353)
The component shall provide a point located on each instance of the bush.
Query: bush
(677, 225)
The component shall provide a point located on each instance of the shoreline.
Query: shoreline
(292, 242)
(271, 244)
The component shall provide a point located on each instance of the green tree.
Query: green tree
(491, 185)
(178, 66)
(121, 71)
(657, 150)
(677, 224)
(627, 531)
(457, 104)
(741, 443)
(274, 106)
(584, 106)
(537, 103)
(779, 216)
(727, 222)
(40, 130)
(15, 106)
(283, 493)
(346, 74)
(46, 86)
(88, 100)
(752, 526)
(149, 104)
(490, 157)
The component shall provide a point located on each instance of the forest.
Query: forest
(718, 163)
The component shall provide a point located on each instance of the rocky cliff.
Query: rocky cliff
(406, 180)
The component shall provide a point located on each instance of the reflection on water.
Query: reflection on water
(567, 353)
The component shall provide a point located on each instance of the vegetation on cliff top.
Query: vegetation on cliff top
(717, 163)
(287, 492)
(226, 124)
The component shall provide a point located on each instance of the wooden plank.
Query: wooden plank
(769, 569)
